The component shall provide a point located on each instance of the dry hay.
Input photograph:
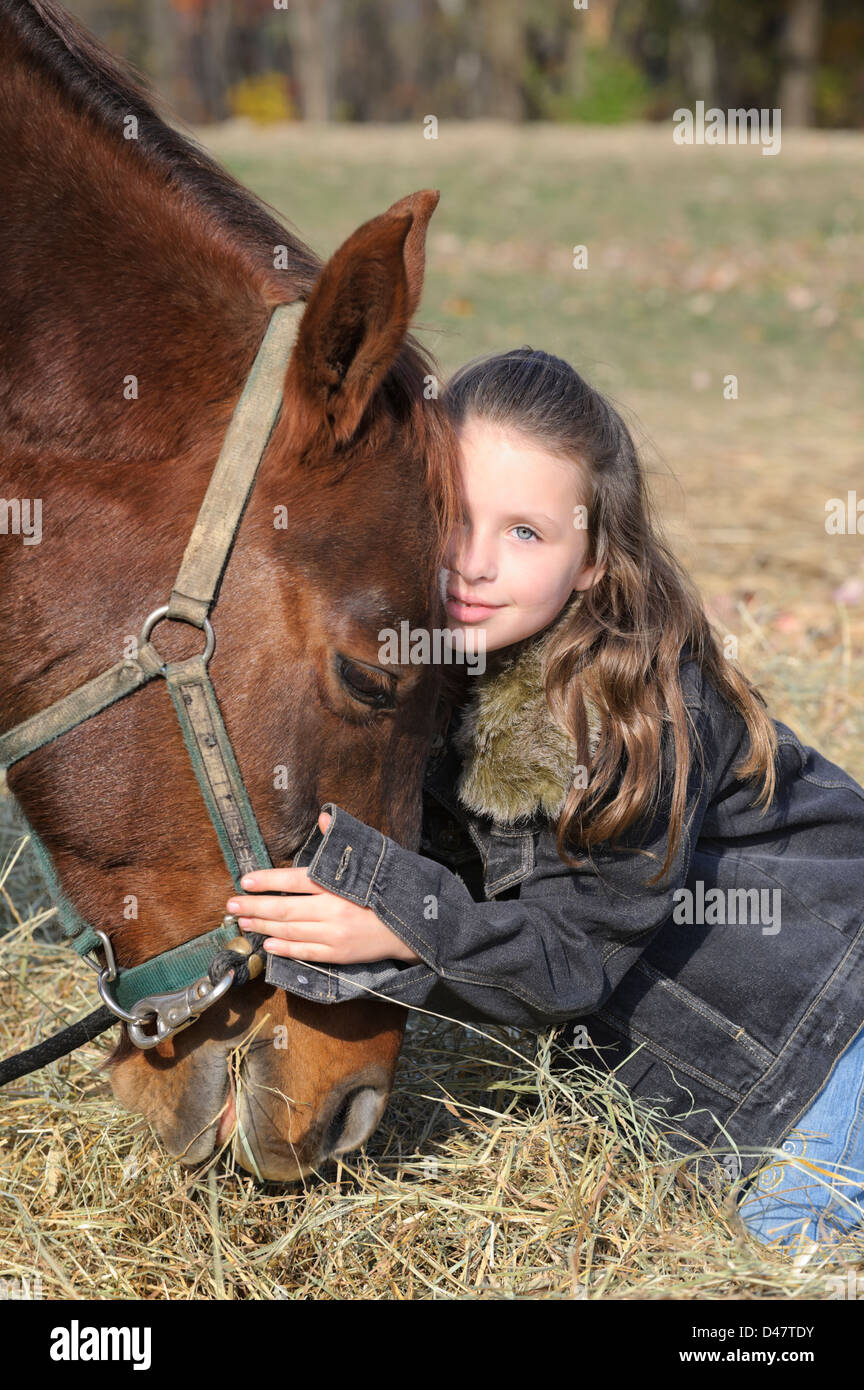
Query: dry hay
(494, 1174)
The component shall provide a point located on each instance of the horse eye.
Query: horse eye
(363, 684)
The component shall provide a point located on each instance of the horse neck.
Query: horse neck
(127, 311)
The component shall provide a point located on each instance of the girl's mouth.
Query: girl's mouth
(469, 612)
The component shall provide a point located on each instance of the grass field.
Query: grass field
(488, 1178)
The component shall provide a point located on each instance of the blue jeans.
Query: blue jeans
(789, 1200)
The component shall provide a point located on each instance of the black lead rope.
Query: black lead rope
(58, 1045)
(234, 960)
(86, 1029)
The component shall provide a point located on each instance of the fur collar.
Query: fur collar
(516, 762)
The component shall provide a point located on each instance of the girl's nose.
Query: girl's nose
(473, 559)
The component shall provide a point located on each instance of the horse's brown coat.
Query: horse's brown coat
(141, 259)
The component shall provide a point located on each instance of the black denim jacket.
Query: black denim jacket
(734, 1028)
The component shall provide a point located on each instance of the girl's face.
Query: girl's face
(520, 552)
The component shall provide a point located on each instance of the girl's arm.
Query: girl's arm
(556, 952)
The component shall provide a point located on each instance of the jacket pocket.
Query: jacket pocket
(688, 1034)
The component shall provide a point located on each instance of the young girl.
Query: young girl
(616, 835)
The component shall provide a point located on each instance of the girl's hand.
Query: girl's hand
(315, 925)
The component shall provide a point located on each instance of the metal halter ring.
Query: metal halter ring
(170, 1013)
(159, 613)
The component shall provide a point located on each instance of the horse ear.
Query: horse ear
(421, 206)
(357, 317)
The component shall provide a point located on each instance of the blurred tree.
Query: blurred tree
(698, 45)
(214, 38)
(366, 64)
(315, 29)
(160, 19)
(801, 52)
(502, 39)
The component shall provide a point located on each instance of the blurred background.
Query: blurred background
(396, 60)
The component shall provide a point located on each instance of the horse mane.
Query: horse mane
(109, 92)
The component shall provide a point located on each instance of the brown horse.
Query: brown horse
(136, 282)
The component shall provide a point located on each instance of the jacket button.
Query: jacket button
(449, 836)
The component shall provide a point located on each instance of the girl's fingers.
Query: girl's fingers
(277, 909)
(300, 932)
(311, 951)
(280, 881)
(274, 909)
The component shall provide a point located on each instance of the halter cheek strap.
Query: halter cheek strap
(166, 980)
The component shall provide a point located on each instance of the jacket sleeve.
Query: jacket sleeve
(554, 953)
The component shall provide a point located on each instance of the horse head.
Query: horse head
(132, 303)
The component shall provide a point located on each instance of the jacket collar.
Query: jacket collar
(516, 762)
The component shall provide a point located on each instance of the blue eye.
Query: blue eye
(525, 528)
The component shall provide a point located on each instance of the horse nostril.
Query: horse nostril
(354, 1119)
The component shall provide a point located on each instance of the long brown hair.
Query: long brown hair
(621, 644)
